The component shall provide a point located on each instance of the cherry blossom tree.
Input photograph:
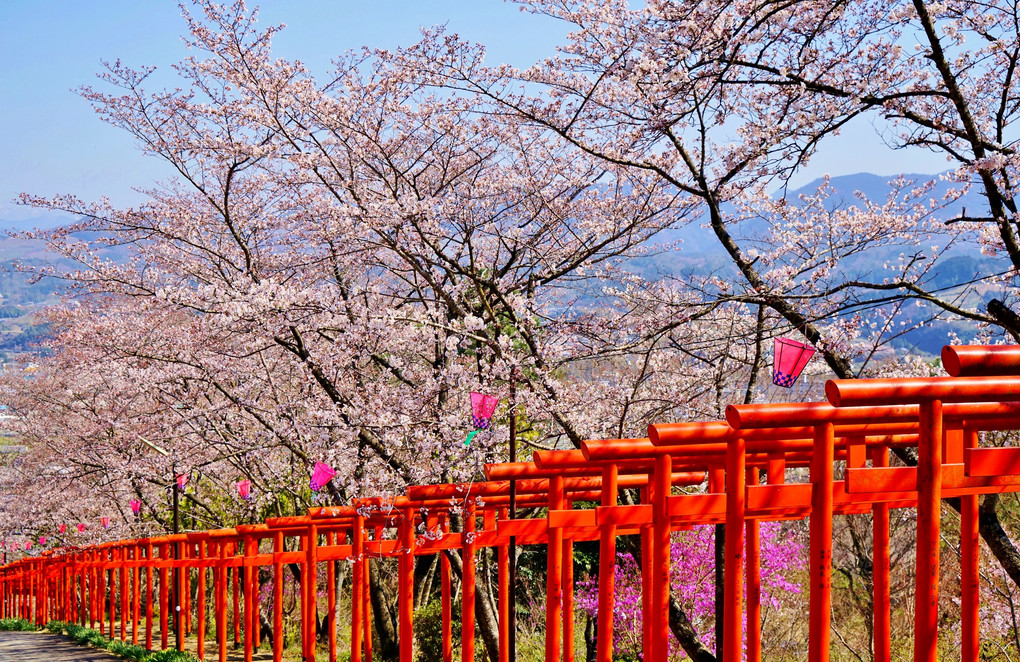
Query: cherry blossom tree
(335, 266)
(333, 270)
(725, 102)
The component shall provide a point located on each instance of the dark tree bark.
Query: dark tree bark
(589, 639)
(382, 613)
(424, 571)
(685, 633)
(996, 537)
(1006, 318)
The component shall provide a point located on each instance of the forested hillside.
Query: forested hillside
(25, 293)
(23, 297)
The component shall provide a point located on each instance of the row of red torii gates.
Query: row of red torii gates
(741, 464)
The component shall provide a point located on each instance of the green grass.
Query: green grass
(16, 624)
(87, 636)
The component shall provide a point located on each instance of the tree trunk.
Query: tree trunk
(385, 628)
(996, 537)
(424, 571)
(1005, 317)
(685, 633)
(589, 639)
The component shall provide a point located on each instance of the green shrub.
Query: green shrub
(170, 656)
(87, 636)
(16, 624)
(129, 651)
(428, 630)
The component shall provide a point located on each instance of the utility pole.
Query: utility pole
(177, 503)
(512, 579)
(177, 547)
(178, 620)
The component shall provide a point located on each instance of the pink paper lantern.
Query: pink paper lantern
(136, 506)
(243, 488)
(106, 522)
(482, 408)
(62, 528)
(42, 540)
(182, 480)
(323, 474)
(789, 360)
(81, 528)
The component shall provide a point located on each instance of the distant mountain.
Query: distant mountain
(22, 297)
(18, 218)
(963, 263)
(876, 188)
(701, 253)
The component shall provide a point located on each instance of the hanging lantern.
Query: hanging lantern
(482, 408)
(789, 359)
(106, 522)
(182, 480)
(136, 506)
(323, 474)
(81, 528)
(42, 540)
(243, 488)
(62, 528)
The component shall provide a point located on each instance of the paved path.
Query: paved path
(46, 647)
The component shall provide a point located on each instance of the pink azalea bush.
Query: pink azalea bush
(692, 574)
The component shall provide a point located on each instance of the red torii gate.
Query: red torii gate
(861, 422)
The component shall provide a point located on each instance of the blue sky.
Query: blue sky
(51, 142)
